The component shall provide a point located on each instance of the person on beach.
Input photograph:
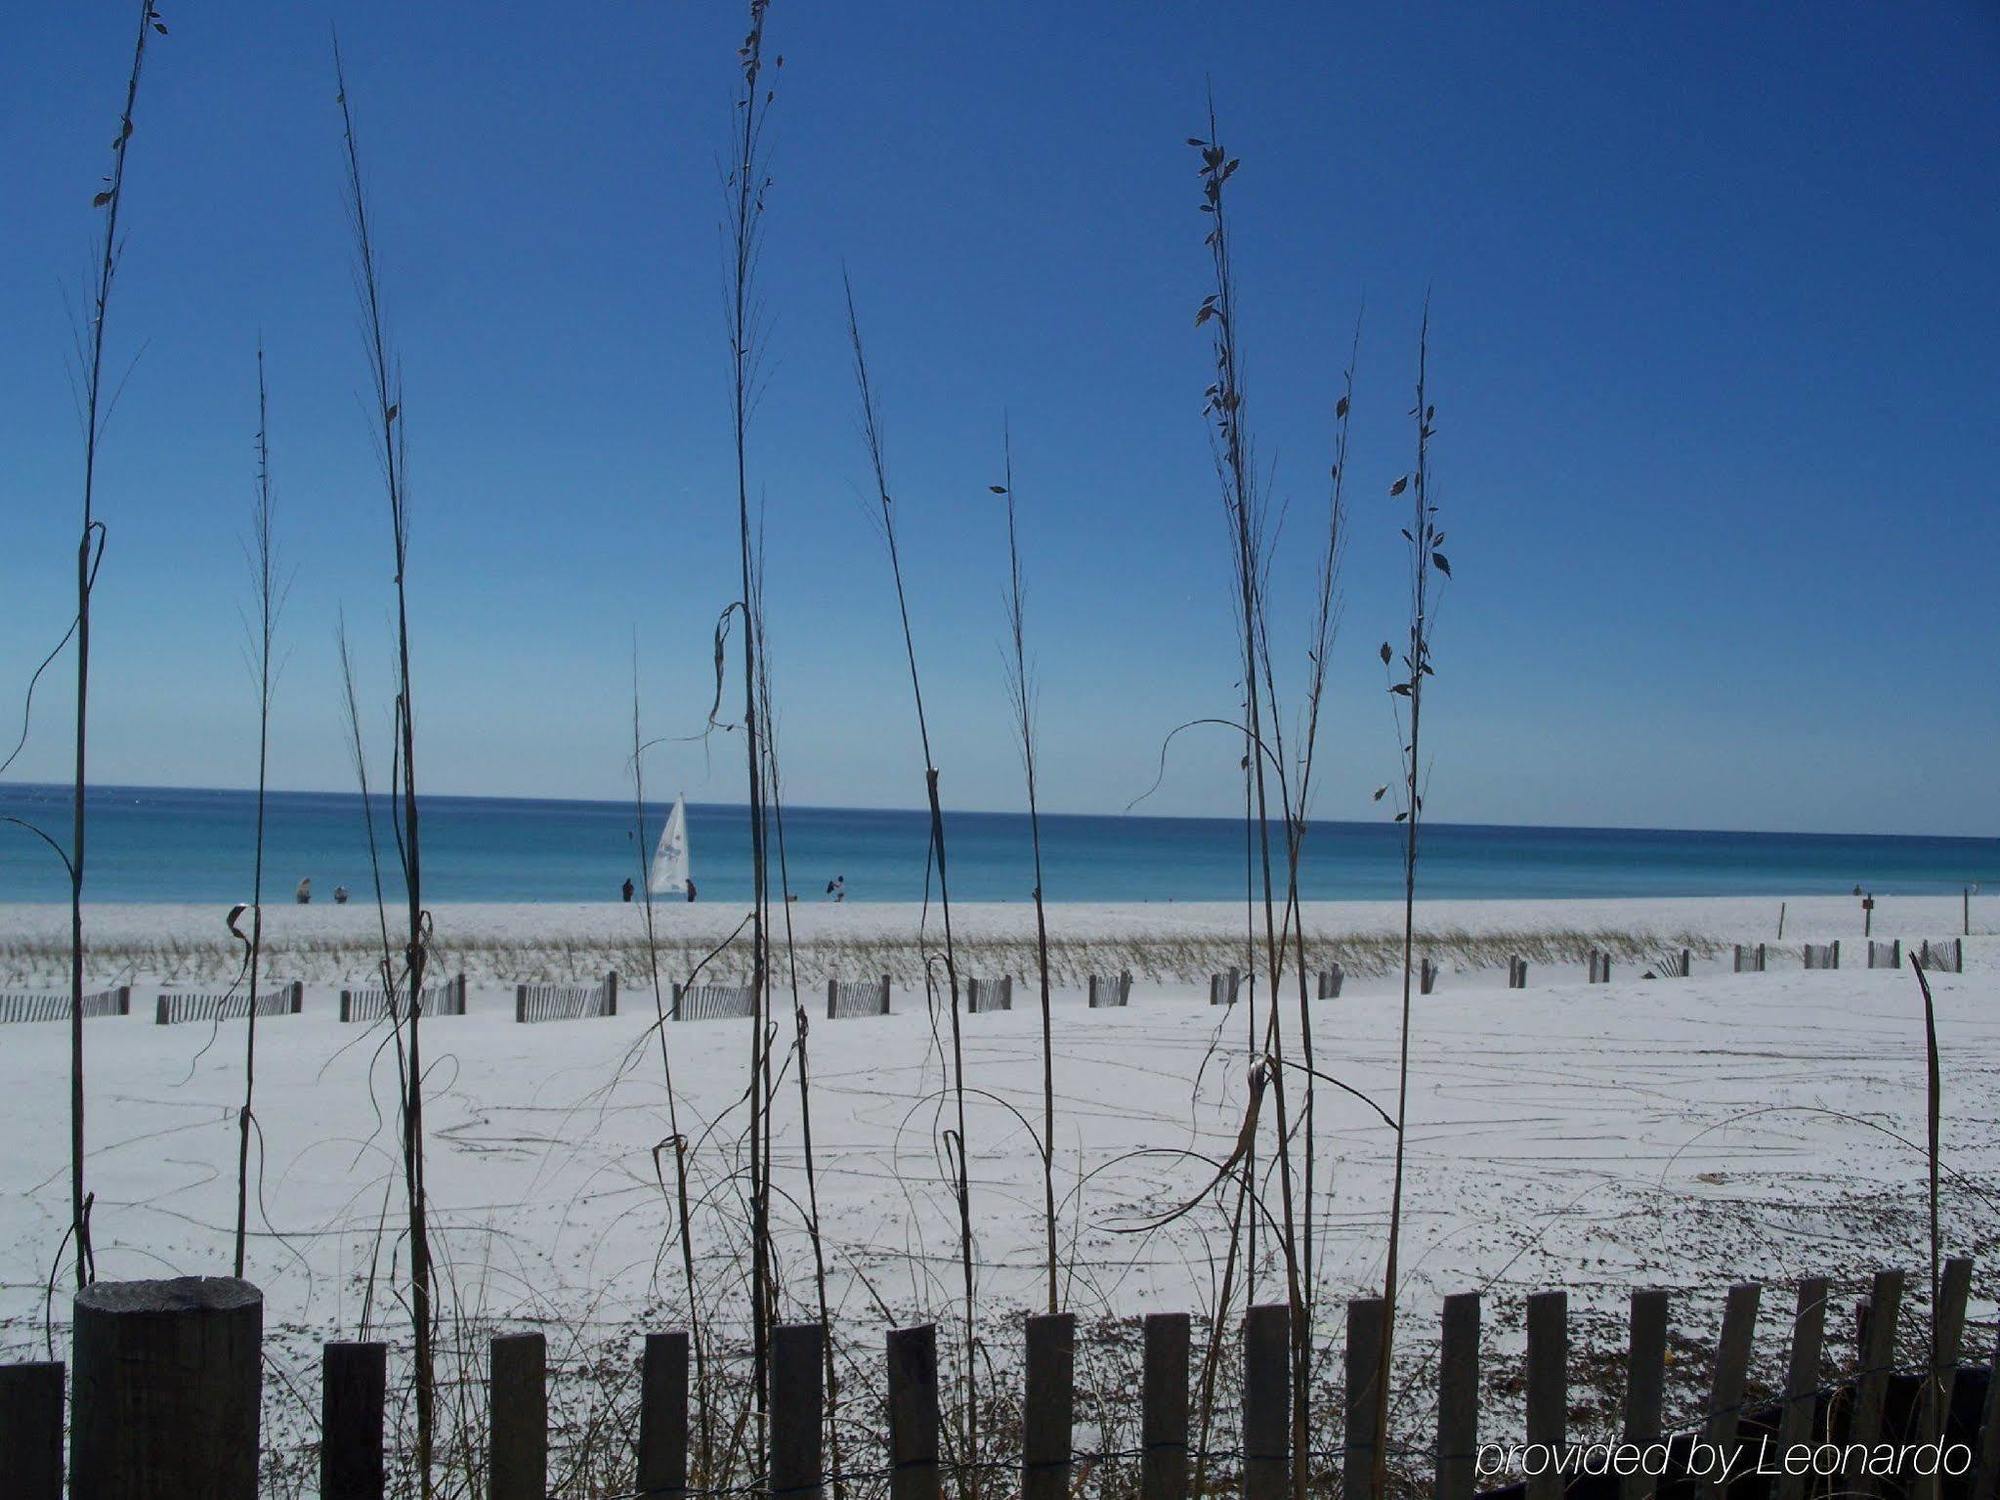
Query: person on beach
(690, 888)
(304, 894)
(340, 895)
(837, 888)
(628, 890)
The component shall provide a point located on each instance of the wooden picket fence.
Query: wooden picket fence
(1109, 991)
(1600, 967)
(1823, 955)
(857, 998)
(1749, 960)
(1223, 987)
(175, 1007)
(982, 995)
(1330, 981)
(566, 1002)
(447, 999)
(1517, 973)
(1942, 958)
(713, 1002)
(1876, 1400)
(1887, 955)
(48, 1006)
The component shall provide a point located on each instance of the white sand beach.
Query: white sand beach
(1679, 1132)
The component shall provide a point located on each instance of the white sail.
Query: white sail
(669, 873)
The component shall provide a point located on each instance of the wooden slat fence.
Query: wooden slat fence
(982, 995)
(43, 1006)
(1943, 958)
(1749, 960)
(1223, 987)
(713, 1002)
(1427, 975)
(447, 999)
(1517, 973)
(1873, 1400)
(1108, 991)
(1823, 955)
(1600, 967)
(1331, 979)
(568, 1002)
(1887, 955)
(177, 1006)
(863, 997)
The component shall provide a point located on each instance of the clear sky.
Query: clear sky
(1716, 358)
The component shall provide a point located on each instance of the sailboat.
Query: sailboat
(669, 873)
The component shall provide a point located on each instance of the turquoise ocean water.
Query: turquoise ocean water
(160, 844)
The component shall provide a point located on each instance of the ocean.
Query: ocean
(174, 844)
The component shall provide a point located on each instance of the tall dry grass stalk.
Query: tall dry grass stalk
(385, 391)
(96, 402)
(267, 596)
(1427, 563)
(746, 183)
(1021, 691)
(956, 1145)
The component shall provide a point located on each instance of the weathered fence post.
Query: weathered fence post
(611, 992)
(1427, 976)
(1548, 1387)
(885, 994)
(168, 1376)
(1267, 1402)
(518, 1418)
(521, 1002)
(832, 998)
(354, 1384)
(1458, 1398)
(797, 1411)
(1802, 1380)
(1163, 1422)
(1732, 1366)
(1987, 1480)
(913, 1413)
(31, 1431)
(1048, 1406)
(1878, 1354)
(1364, 1361)
(663, 1417)
(1645, 1383)
(1948, 1327)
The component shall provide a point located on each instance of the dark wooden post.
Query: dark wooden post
(160, 1012)
(1364, 1359)
(611, 992)
(797, 1411)
(346, 1003)
(832, 997)
(298, 996)
(1048, 1407)
(1948, 1329)
(1802, 1380)
(663, 1417)
(1878, 1354)
(1732, 1365)
(1163, 1438)
(354, 1381)
(521, 1002)
(1645, 1383)
(1548, 1387)
(168, 1376)
(1986, 1481)
(31, 1431)
(1267, 1402)
(1458, 1398)
(885, 994)
(518, 1419)
(913, 1413)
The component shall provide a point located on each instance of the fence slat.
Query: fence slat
(1645, 1382)
(1458, 1397)
(798, 1396)
(1163, 1422)
(1802, 1379)
(354, 1383)
(913, 1413)
(1986, 1483)
(31, 1431)
(663, 1417)
(1267, 1402)
(1732, 1366)
(518, 1418)
(1878, 1354)
(1548, 1385)
(1954, 1286)
(1364, 1360)
(1048, 1406)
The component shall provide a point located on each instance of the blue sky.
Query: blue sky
(1716, 358)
